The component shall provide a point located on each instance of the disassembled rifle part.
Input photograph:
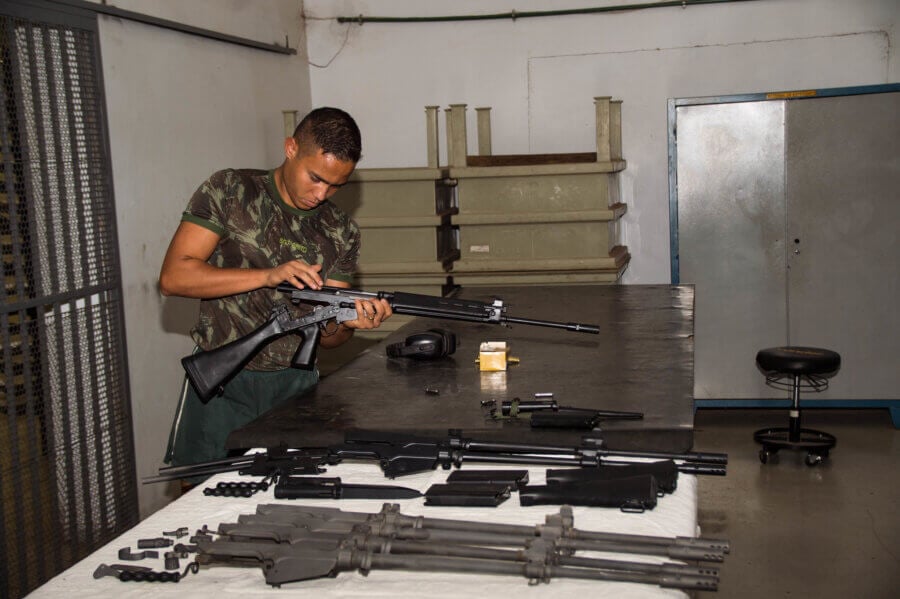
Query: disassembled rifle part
(545, 412)
(633, 494)
(126, 554)
(142, 573)
(156, 543)
(236, 488)
(172, 560)
(129, 573)
(178, 533)
(664, 471)
(468, 495)
(514, 478)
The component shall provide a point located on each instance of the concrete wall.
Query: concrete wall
(181, 107)
(540, 75)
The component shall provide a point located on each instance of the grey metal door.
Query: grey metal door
(843, 190)
(731, 216)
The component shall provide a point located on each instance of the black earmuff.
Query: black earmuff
(429, 345)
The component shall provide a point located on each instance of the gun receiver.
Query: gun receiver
(209, 371)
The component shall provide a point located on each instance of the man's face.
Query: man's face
(310, 179)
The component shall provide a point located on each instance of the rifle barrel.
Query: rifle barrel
(232, 461)
(690, 456)
(488, 446)
(569, 326)
(209, 471)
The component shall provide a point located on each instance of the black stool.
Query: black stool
(796, 368)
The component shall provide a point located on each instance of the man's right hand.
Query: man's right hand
(296, 272)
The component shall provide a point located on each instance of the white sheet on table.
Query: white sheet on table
(675, 515)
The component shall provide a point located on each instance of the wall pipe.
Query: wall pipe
(513, 15)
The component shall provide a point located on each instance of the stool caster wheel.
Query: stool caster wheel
(813, 459)
(764, 455)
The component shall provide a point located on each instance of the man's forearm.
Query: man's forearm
(190, 277)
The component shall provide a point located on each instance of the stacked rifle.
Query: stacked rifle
(293, 543)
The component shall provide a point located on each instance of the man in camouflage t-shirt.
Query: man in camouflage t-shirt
(245, 231)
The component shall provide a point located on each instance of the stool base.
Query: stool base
(816, 443)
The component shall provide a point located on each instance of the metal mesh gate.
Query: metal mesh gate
(67, 478)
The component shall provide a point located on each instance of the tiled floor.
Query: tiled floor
(825, 532)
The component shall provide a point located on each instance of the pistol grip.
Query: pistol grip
(305, 356)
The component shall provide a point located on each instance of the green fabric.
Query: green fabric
(200, 430)
(257, 229)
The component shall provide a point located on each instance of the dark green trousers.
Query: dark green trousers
(199, 430)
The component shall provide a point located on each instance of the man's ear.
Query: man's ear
(291, 147)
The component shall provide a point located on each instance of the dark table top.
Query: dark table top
(641, 361)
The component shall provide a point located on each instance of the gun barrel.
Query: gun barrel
(708, 469)
(693, 457)
(569, 326)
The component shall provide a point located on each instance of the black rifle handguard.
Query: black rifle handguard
(633, 494)
(665, 472)
(564, 418)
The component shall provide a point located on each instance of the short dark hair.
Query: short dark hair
(331, 130)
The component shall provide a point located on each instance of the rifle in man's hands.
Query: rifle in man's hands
(209, 371)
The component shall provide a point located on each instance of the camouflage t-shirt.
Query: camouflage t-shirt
(257, 229)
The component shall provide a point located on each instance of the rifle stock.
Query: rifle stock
(209, 371)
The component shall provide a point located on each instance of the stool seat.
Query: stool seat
(795, 367)
(798, 360)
